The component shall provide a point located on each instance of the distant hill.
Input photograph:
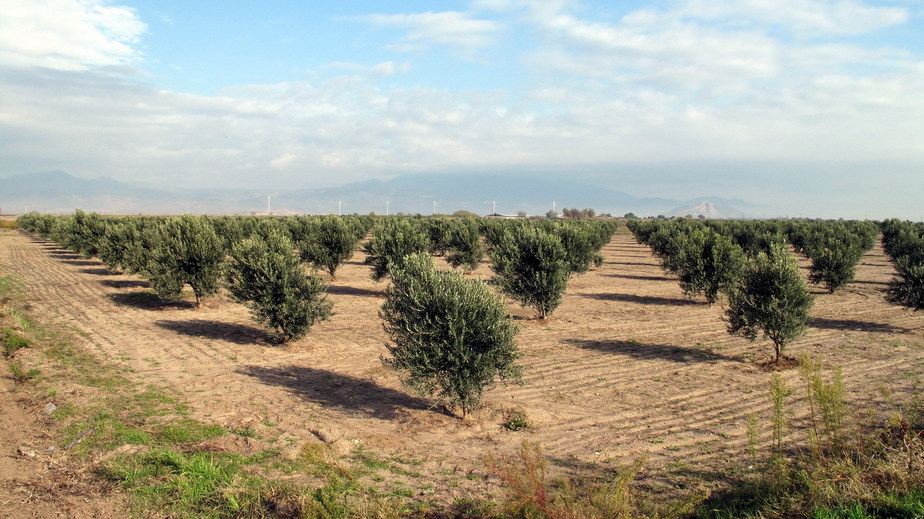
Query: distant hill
(59, 192)
(708, 209)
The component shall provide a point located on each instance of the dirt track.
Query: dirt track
(626, 366)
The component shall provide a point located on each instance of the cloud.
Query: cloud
(807, 18)
(454, 29)
(667, 89)
(283, 161)
(68, 34)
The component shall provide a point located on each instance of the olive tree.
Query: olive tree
(904, 242)
(464, 245)
(706, 262)
(771, 299)
(532, 267)
(392, 240)
(186, 251)
(266, 276)
(326, 242)
(450, 337)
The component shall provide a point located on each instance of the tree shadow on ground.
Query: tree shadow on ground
(636, 264)
(98, 272)
(642, 278)
(643, 300)
(338, 391)
(125, 283)
(148, 301)
(236, 333)
(64, 255)
(850, 324)
(644, 351)
(82, 263)
(883, 283)
(353, 291)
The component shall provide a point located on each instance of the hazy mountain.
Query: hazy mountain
(59, 192)
(708, 209)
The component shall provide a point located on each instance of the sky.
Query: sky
(812, 106)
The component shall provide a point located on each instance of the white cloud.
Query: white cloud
(283, 161)
(803, 17)
(454, 29)
(68, 34)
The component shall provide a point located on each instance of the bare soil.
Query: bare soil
(625, 367)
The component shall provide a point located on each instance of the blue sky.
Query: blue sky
(812, 106)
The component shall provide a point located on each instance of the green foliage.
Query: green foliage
(904, 242)
(778, 395)
(83, 233)
(12, 342)
(186, 251)
(463, 245)
(706, 262)
(771, 299)
(325, 241)
(449, 336)
(834, 248)
(868, 472)
(532, 267)
(267, 277)
(827, 399)
(20, 373)
(392, 240)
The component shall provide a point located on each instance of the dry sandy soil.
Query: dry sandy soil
(625, 367)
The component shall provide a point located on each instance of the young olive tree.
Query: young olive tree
(392, 240)
(706, 262)
(186, 251)
(532, 268)
(326, 242)
(904, 242)
(266, 276)
(464, 245)
(450, 337)
(771, 298)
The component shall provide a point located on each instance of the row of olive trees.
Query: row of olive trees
(904, 243)
(532, 260)
(766, 293)
(258, 260)
(707, 256)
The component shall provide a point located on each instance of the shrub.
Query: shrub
(532, 267)
(186, 251)
(904, 242)
(326, 242)
(12, 342)
(464, 245)
(771, 298)
(449, 336)
(267, 277)
(392, 240)
(705, 261)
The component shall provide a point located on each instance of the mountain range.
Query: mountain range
(60, 192)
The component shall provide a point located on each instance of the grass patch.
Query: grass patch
(20, 373)
(12, 342)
